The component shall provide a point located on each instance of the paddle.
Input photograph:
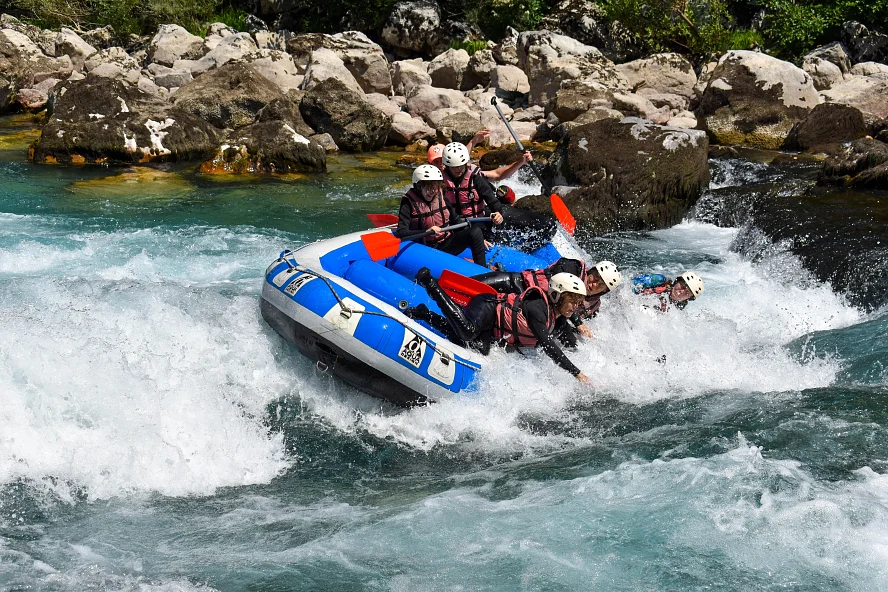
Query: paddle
(381, 245)
(382, 220)
(565, 218)
(460, 288)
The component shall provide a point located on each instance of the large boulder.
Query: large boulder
(407, 130)
(864, 45)
(326, 65)
(478, 70)
(409, 74)
(510, 79)
(827, 123)
(754, 99)
(662, 72)
(836, 53)
(549, 60)
(114, 62)
(103, 120)
(24, 64)
(227, 97)
(233, 48)
(277, 66)
(362, 57)
(331, 107)
(869, 94)
(412, 28)
(824, 73)
(588, 23)
(171, 43)
(424, 100)
(72, 45)
(868, 68)
(447, 69)
(630, 174)
(267, 147)
(861, 163)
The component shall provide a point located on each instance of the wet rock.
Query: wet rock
(267, 147)
(862, 163)
(171, 43)
(754, 99)
(630, 173)
(446, 70)
(412, 28)
(331, 107)
(662, 72)
(477, 73)
(227, 97)
(102, 120)
(869, 94)
(827, 123)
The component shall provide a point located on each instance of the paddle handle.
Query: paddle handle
(532, 163)
(445, 229)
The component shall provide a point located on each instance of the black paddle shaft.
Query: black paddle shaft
(532, 163)
(445, 229)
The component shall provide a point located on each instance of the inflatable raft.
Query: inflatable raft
(344, 311)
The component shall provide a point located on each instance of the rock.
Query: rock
(170, 77)
(114, 62)
(587, 22)
(861, 163)
(171, 43)
(277, 66)
(267, 147)
(632, 174)
(662, 72)
(407, 129)
(827, 123)
(446, 70)
(659, 99)
(31, 99)
(477, 73)
(560, 130)
(72, 45)
(754, 99)
(423, 100)
(47, 85)
(220, 29)
(460, 127)
(103, 120)
(834, 52)
(24, 65)
(383, 103)
(102, 37)
(360, 56)
(285, 110)
(326, 142)
(326, 65)
(7, 21)
(633, 104)
(409, 74)
(506, 51)
(864, 45)
(334, 108)
(825, 74)
(869, 94)
(510, 79)
(495, 159)
(227, 97)
(532, 113)
(273, 39)
(233, 48)
(703, 79)
(868, 68)
(8, 91)
(684, 119)
(549, 60)
(147, 85)
(412, 28)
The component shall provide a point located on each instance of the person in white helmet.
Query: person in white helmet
(436, 152)
(529, 319)
(685, 287)
(599, 279)
(424, 207)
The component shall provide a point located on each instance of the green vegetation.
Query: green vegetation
(795, 27)
(470, 46)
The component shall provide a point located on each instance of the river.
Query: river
(155, 434)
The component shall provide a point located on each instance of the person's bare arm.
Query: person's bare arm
(503, 173)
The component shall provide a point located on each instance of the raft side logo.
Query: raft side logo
(412, 348)
(296, 284)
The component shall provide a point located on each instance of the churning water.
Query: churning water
(156, 435)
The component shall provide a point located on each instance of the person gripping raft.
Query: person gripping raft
(529, 319)
(685, 287)
(424, 207)
(599, 279)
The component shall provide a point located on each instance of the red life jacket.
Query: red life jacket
(464, 197)
(424, 214)
(658, 290)
(540, 277)
(510, 324)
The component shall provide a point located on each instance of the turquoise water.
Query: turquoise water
(156, 435)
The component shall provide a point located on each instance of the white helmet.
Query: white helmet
(427, 172)
(455, 154)
(609, 273)
(693, 282)
(565, 282)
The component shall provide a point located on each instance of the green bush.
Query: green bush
(493, 16)
(470, 46)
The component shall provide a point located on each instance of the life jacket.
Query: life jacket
(464, 197)
(510, 324)
(424, 214)
(540, 277)
(589, 306)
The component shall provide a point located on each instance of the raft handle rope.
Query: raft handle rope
(288, 257)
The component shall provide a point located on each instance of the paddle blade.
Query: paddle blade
(461, 288)
(380, 220)
(565, 218)
(380, 245)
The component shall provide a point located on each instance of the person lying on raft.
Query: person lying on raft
(423, 207)
(685, 287)
(599, 280)
(472, 195)
(529, 319)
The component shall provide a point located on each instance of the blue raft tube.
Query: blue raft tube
(344, 312)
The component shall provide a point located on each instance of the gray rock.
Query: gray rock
(332, 107)
(326, 142)
(827, 123)
(868, 68)
(326, 65)
(409, 74)
(171, 43)
(407, 130)
(447, 69)
(824, 74)
(663, 72)
(835, 53)
(869, 94)
(267, 147)
(412, 28)
(478, 70)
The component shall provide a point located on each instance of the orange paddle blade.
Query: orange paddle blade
(380, 245)
(380, 220)
(461, 288)
(565, 218)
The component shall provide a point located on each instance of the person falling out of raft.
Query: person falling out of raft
(599, 279)
(472, 195)
(685, 287)
(529, 319)
(424, 207)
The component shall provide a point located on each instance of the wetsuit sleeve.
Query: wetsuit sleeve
(404, 218)
(536, 314)
(565, 265)
(487, 192)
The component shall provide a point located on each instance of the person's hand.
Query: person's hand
(497, 218)
(480, 137)
(435, 229)
(583, 378)
(488, 245)
(585, 331)
(527, 156)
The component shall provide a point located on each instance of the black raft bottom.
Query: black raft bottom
(342, 364)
